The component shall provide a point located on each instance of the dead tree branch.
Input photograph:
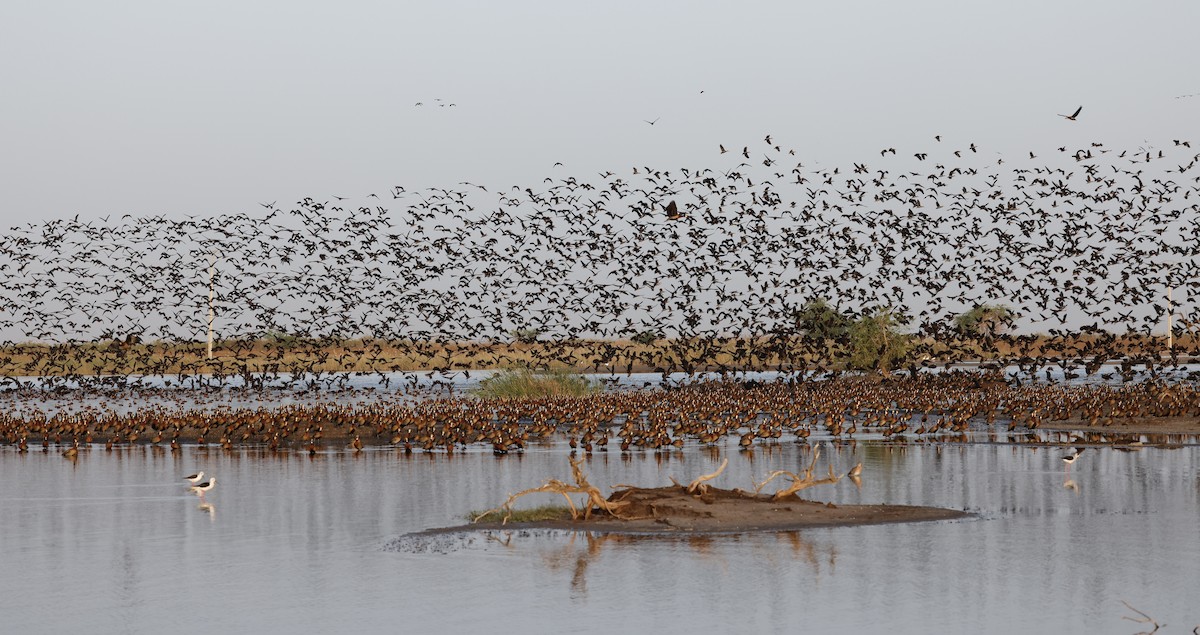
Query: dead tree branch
(699, 483)
(594, 499)
(799, 481)
(1144, 619)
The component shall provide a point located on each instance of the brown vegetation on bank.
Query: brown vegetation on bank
(233, 358)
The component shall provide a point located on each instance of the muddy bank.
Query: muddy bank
(1128, 425)
(672, 510)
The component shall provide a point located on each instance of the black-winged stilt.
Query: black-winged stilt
(203, 487)
(1070, 458)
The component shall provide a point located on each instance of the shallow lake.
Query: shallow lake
(291, 543)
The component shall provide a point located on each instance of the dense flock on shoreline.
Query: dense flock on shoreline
(928, 407)
(665, 270)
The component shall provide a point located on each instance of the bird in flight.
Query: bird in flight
(1072, 116)
(652, 122)
(673, 211)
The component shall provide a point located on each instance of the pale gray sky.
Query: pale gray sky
(150, 106)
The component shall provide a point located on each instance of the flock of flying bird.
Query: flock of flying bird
(681, 270)
(716, 265)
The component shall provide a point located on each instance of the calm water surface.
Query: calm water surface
(289, 543)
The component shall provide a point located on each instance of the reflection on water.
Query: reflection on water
(567, 554)
(209, 509)
(113, 542)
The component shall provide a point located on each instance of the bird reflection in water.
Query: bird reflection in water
(807, 550)
(1071, 485)
(209, 509)
(582, 548)
(855, 475)
(578, 559)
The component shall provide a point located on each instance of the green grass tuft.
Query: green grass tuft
(531, 515)
(524, 382)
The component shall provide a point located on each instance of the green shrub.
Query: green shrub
(526, 336)
(524, 382)
(531, 515)
(818, 320)
(985, 320)
(876, 343)
(645, 338)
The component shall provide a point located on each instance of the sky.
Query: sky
(148, 107)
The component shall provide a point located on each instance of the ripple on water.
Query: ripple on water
(291, 542)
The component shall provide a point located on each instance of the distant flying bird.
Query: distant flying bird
(652, 122)
(1072, 116)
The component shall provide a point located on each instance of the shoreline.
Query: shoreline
(1127, 425)
(781, 516)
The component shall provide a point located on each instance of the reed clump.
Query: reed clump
(526, 382)
(541, 513)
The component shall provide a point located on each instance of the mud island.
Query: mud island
(700, 508)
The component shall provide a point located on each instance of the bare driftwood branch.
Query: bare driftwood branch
(553, 485)
(698, 484)
(594, 499)
(1144, 619)
(799, 481)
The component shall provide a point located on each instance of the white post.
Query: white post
(1170, 334)
(212, 264)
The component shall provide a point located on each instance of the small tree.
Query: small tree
(876, 343)
(985, 321)
(526, 336)
(820, 321)
(525, 382)
(645, 338)
(282, 338)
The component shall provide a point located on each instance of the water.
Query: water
(289, 543)
(435, 382)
